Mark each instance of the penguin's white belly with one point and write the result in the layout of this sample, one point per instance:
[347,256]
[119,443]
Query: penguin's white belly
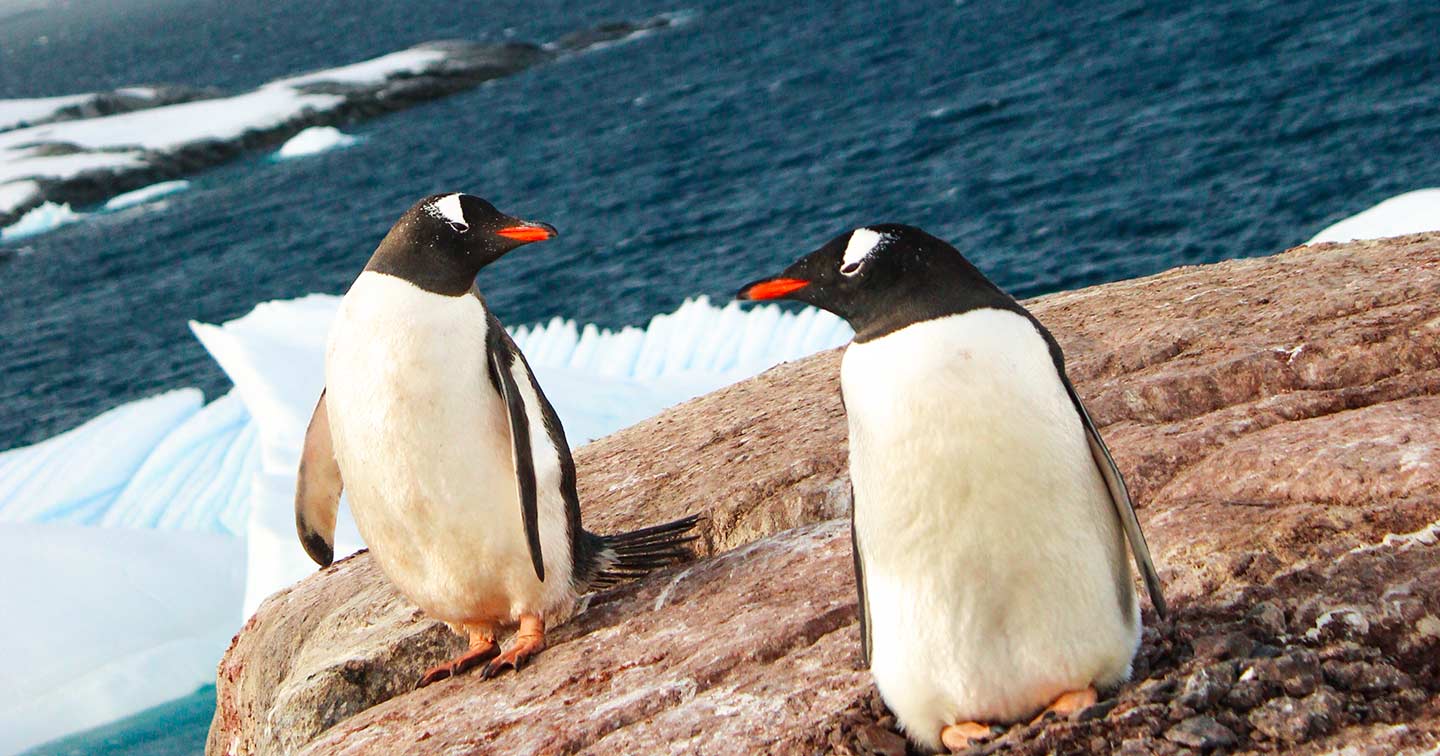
[423,443]
[994,567]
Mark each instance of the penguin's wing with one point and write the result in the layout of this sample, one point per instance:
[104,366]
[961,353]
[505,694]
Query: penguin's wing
[864,606]
[1120,497]
[504,359]
[317,489]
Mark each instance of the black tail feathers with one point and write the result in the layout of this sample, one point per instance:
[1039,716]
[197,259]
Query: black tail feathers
[626,556]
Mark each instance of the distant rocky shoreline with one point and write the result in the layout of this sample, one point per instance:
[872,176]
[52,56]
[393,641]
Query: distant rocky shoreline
[33,145]
[1278,420]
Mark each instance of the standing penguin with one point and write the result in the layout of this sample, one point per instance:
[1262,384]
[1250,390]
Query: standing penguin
[989,520]
[460,478]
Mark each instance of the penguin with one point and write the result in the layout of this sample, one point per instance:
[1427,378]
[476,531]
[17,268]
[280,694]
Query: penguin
[989,522]
[458,472]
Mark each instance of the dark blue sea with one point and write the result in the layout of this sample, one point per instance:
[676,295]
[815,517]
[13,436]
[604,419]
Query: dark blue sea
[1058,144]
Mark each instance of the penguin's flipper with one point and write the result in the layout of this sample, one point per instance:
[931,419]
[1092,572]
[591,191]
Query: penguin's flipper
[504,358]
[864,606]
[1120,497]
[317,489]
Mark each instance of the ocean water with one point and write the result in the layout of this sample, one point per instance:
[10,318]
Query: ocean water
[1057,144]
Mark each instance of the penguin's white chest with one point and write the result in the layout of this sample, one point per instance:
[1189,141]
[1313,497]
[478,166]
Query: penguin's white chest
[995,572]
[423,443]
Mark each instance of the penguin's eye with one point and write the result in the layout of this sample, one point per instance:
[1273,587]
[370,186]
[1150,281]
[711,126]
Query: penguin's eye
[459,227]
[850,269]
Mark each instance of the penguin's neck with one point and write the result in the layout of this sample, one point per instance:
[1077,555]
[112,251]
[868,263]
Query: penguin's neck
[925,297]
[427,263]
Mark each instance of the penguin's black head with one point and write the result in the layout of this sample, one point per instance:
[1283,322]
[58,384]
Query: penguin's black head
[881,278]
[443,241]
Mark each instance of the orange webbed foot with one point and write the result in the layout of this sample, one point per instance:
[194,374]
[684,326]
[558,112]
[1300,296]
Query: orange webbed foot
[483,648]
[962,735]
[1067,704]
[529,640]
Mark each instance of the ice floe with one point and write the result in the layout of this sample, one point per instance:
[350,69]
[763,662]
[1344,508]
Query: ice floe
[38,220]
[313,140]
[1408,213]
[146,194]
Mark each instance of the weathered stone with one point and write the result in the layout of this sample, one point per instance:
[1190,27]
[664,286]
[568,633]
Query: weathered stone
[880,741]
[1277,419]
[1224,646]
[1201,732]
[1246,693]
[1207,686]
[1365,677]
[1269,617]
[1293,720]
[1296,674]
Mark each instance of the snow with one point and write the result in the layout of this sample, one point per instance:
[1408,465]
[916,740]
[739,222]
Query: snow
[173,127]
[374,71]
[314,140]
[38,220]
[17,194]
[15,113]
[146,194]
[1408,213]
[127,141]
[170,519]
[23,162]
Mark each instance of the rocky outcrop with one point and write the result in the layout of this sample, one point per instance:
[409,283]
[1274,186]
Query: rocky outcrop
[460,65]
[1278,420]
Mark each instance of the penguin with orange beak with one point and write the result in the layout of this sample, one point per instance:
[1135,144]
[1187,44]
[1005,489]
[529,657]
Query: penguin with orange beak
[989,522]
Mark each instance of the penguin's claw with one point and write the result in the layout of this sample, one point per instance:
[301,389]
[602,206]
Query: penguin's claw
[529,640]
[1067,704]
[459,665]
[962,735]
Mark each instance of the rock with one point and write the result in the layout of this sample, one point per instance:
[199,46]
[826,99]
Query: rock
[1277,419]
[1269,617]
[1201,732]
[1293,720]
[1365,677]
[1225,646]
[1207,686]
[880,741]
[1296,674]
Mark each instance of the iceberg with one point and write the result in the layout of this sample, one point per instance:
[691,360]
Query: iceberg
[1408,213]
[170,519]
[111,621]
[38,220]
[314,140]
[145,194]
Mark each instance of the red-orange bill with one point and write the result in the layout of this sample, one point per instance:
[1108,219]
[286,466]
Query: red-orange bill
[774,288]
[526,233]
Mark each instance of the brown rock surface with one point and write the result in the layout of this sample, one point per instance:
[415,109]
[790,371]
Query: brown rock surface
[1278,420]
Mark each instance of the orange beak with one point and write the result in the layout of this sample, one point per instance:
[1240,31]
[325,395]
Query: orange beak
[529,232]
[774,288]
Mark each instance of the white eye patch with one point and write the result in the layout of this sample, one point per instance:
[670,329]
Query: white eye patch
[863,244]
[448,209]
